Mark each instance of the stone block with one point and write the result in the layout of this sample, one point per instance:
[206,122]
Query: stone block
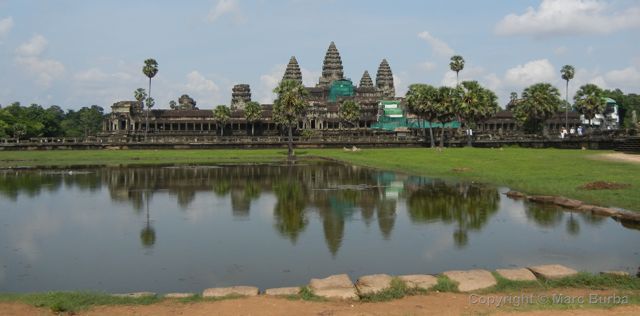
[335,286]
[472,280]
[227,291]
[282,291]
[420,281]
[179,295]
[521,274]
[552,271]
[371,284]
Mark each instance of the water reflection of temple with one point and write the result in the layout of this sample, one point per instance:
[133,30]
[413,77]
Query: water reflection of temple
[335,194]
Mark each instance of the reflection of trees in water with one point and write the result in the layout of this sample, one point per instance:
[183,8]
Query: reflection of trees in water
[544,215]
[31,183]
[289,209]
[468,206]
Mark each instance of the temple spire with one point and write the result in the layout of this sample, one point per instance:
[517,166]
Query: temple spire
[384,80]
[293,71]
[332,66]
[366,81]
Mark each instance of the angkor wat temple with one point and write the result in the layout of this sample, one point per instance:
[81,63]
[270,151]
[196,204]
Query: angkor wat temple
[128,117]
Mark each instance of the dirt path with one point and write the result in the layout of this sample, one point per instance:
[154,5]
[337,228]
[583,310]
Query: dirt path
[431,304]
[620,157]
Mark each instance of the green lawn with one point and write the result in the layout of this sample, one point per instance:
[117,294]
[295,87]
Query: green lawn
[533,171]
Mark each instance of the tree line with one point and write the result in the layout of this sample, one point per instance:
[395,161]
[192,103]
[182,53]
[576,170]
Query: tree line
[19,121]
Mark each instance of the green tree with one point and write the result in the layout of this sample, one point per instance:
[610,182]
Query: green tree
[18,130]
[476,103]
[140,95]
[446,101]
[568,72]
[457,64]
[349,112]
[539,102]
[289,107]
[589,101]
[422,102]
[253,113]
[150,69]
[222,114]
[173,105]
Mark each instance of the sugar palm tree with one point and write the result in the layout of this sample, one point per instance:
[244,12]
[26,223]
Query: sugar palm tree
[289,107]
[421,101]
[457,64]
[568,72]
[221,114]
[252,113]
[589,100]
[150,69]
[477,103]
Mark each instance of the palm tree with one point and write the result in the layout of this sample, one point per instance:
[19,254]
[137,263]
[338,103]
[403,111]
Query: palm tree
[221,114]
[568,73]
[289,107]
[589,100]
[150,69]
[477,103]
[538,102]
[349,112]
[140,95]
[421,101]
[457,64]
[446,100]
[252,113]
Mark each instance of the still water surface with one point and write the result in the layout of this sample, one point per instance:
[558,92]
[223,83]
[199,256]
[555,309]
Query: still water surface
[168,229]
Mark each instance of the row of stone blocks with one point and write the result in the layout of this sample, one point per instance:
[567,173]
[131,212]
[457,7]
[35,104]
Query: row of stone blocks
[340,286]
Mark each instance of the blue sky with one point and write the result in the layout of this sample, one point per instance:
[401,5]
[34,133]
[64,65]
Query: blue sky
[77,53]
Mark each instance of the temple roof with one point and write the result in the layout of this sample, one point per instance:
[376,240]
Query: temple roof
[331,66]
[293,71]
[366,81]
[384,79]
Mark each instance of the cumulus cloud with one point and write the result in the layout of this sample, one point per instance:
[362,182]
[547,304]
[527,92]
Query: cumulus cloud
[225,7]
[438,46]
[470,72]
[624,78]
[427,66]
[45,70]
[569,17]
[535,71]
[6,25]
[204,90]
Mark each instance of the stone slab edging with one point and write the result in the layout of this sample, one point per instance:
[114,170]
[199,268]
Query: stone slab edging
[577,206]
[341,287]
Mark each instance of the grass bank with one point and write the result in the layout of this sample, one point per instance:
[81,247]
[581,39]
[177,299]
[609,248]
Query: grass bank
[533,171]
[71,302]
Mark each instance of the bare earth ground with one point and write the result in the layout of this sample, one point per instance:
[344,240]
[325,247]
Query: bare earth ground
[431,304]
[620,157]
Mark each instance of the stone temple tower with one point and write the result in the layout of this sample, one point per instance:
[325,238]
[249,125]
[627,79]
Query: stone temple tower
[366,81]
[293,71]
[240,96]
[331,67]
[384,80]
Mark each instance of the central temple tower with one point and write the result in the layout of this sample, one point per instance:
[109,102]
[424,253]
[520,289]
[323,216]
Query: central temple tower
[331,67]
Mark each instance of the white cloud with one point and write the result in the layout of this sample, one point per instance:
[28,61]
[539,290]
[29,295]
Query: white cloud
[492,81]
[427,66]
[624,78]
[226,7]
[34,47]
[560,50]
[535,71]
[569,17]
[6,25]
[268,82]
[438,46]
[399,83]
[203,90]
[470,72]
[45,70]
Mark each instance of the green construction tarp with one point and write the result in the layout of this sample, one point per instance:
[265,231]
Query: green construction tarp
[390,112]
[340,88]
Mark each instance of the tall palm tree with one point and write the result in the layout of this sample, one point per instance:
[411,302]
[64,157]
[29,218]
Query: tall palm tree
[150,69]
[140,95]
[568,72]
[222,113]
[252,113]
[289,107]
[457,64]
[590,101]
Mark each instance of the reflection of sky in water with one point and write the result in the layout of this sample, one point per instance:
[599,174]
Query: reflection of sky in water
[274,226]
